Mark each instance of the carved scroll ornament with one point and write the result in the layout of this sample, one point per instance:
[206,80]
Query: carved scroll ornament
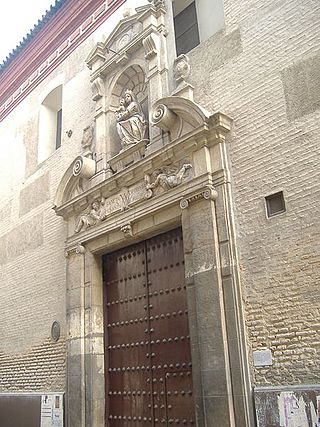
[163,117]
[84,167]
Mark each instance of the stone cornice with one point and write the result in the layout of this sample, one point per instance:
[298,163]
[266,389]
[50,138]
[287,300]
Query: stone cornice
[71,25]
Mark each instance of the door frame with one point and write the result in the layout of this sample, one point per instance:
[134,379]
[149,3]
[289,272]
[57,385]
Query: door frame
[175,232]
[216,352]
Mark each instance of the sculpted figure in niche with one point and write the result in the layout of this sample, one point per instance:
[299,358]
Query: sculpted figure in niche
[131,123]
[94,216]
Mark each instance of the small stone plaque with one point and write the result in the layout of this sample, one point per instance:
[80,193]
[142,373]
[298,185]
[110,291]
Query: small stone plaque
[55,331]
[262,358]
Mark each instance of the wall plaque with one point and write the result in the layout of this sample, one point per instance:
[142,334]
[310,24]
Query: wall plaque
[262,358]
[55,331]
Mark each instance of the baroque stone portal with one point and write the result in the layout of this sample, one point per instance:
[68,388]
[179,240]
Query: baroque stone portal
[131,123]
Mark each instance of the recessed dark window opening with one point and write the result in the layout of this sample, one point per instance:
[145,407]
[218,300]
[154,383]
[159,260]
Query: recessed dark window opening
[275,204]
[186,29]
[58,132]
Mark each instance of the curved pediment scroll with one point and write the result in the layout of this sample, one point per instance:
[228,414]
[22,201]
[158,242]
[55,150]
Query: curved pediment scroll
[75,180]
[178,116]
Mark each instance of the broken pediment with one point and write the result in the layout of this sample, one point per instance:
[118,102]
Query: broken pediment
[126,37]
[181,116]
[75,180]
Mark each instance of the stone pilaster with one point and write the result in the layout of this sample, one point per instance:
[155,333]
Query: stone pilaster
[208,332]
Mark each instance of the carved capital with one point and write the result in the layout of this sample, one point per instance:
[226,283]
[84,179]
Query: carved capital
[208,193]
[78,249]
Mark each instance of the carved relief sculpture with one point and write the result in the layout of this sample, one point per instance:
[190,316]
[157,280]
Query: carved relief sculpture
[127,230]
[131,123]
[96,214]
[166,179]
[181,68]
[87,140]
[181,71]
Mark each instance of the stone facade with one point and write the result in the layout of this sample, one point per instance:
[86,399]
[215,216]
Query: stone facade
[232,123]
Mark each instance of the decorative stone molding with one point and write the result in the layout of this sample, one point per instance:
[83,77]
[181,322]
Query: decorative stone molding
[208,193]
[127,230]
[166,178]
[125,197]
[150,46]
[87,141]
[97,88]
[163,117]
[129,156]
[75,180]
[128,63]
[157,3]
[181,116]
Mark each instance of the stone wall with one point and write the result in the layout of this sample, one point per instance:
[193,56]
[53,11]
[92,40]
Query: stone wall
[263,72]
[32,262]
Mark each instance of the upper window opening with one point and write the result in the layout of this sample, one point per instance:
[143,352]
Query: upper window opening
[50,124]
[186,26]
[195,21]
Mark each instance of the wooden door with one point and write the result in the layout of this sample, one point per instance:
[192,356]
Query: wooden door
[147,343]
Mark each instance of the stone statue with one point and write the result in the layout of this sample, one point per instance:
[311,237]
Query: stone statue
[96,214]
[131,123]
[166,179]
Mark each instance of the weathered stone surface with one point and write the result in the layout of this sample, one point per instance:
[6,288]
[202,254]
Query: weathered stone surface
[301,87]
[215,53]
[34,194]
[22,239]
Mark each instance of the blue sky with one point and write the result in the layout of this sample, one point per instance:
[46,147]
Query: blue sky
[21,16]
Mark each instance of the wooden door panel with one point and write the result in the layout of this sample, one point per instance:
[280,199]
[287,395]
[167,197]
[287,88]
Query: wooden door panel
[147,342]
[179,398]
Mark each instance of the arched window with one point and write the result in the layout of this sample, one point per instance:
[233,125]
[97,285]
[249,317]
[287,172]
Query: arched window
[50,123]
